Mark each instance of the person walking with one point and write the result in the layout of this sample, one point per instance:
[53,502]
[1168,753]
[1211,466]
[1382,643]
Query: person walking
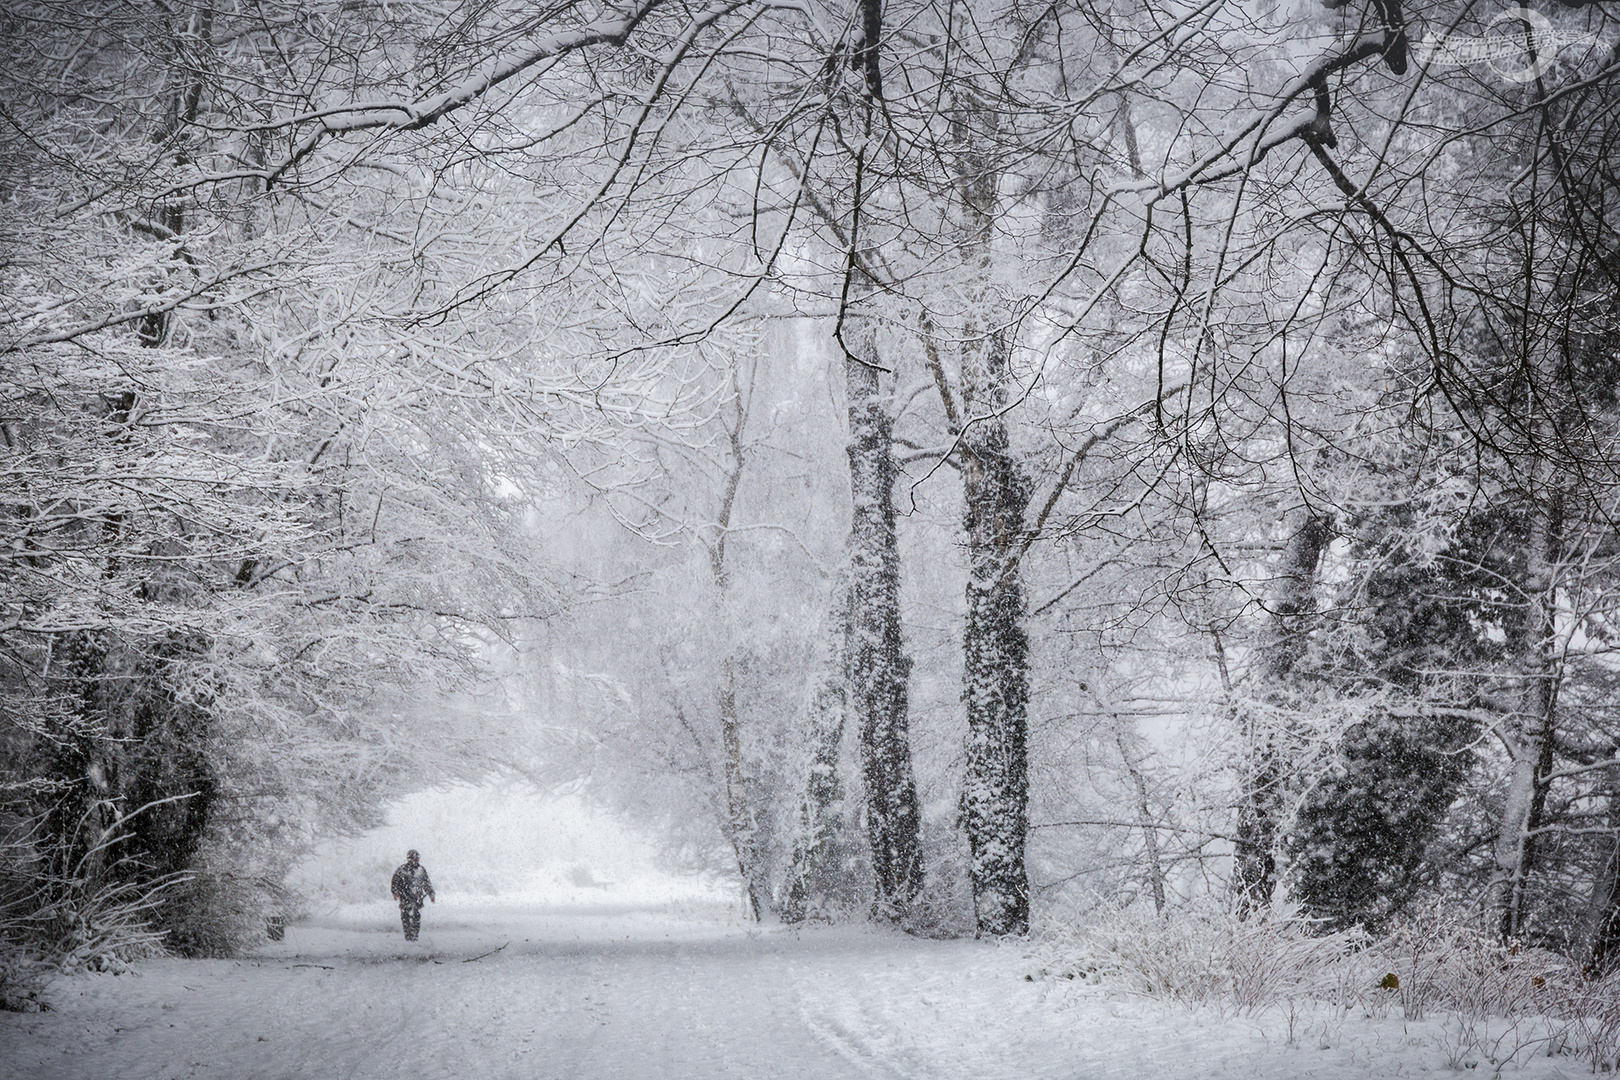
[409,885]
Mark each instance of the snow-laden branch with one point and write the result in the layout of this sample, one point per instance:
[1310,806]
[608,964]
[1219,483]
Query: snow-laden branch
[147,311]
[1596,766]
[638,129]
[613,27]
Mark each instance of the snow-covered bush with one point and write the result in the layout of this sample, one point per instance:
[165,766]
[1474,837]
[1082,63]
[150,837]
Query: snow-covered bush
[1438,966]
[51,925]
[220,910]
[1590,1012]
[1443,961]
[1204,955]
[1448,966]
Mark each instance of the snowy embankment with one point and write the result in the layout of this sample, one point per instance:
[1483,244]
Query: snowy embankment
[678,991]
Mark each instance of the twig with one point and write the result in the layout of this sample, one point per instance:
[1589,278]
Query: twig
[491,952]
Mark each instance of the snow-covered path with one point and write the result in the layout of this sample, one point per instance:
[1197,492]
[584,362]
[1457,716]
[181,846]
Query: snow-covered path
[602,994]
[577,995]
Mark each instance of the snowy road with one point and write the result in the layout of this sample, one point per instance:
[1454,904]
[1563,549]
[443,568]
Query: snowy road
[579,996]
[640,995]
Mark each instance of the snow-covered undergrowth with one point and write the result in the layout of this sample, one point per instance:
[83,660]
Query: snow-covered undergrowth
[1477,1001]
[79,929]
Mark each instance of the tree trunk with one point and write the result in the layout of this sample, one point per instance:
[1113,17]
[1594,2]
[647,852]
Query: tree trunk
[184,105]
[1263,799]
[739,824]
[995,795]
[1130,752]
[996,493]
[877,665]
[814,877]
[740,828]
[1528,732]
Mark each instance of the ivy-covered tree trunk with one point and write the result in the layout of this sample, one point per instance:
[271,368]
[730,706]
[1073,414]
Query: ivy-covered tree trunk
[995,791]
[877,666]
[996,493]
[1263,800]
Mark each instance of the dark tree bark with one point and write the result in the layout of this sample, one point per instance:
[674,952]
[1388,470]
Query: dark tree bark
[135,783]
[995,792]
[877,665]
[996,493]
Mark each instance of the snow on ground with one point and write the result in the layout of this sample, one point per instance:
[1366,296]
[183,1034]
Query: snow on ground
[560,949]
[676,991]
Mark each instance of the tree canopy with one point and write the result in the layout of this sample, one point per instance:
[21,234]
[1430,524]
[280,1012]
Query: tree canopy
[929,455]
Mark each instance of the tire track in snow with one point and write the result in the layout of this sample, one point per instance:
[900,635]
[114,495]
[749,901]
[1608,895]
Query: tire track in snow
[854,1049]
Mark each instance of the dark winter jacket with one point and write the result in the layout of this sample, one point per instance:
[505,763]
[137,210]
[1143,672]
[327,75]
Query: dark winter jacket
[410,884]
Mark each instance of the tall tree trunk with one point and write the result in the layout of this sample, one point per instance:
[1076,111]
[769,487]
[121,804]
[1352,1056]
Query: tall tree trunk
[169,220]
[814,875]
[1262,802]
[995,794]
[1529,732]
[740,826]
[1129,742]
[878,668]
[996,493]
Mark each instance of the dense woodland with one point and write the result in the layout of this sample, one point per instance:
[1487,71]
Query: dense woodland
[941,462]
